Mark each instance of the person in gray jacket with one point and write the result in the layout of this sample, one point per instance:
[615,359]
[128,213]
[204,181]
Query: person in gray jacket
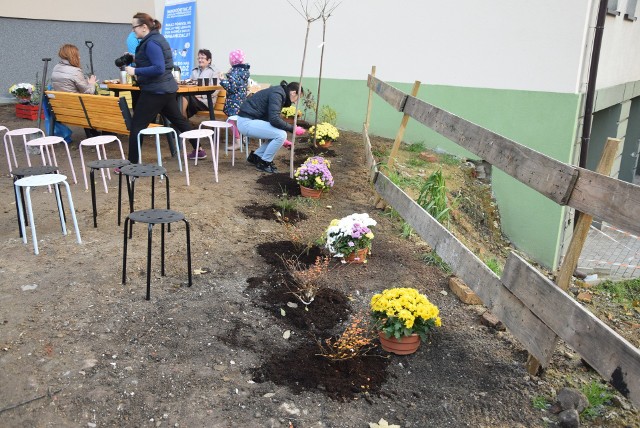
[259,117]
[67,76]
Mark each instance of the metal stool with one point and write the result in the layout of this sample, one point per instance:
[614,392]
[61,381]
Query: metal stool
[157,130]
[28,171]
[99,143]
[244,140]
[151,218]
[217,126]
[198,133]
[16,132]
[137,170]
[108,164]
[44,180]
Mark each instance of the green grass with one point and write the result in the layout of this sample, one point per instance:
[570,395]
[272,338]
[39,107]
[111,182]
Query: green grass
[391,213]
[625,292]
[448,159]
[598,395]
[407,231]
[416,162]
[433,259]
[285,204]
[539,402]
[433,197]
[494,265]
[404,182]
[380,153]
[415,147]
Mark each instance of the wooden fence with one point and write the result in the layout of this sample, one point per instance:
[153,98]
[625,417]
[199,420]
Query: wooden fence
[534,309]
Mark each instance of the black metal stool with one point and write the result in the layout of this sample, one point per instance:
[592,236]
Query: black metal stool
[28,171]
[99,164]
[153,217]
[138,170]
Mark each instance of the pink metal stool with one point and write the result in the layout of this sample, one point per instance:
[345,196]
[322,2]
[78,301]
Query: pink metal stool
[18,132]
[46,144]
[198,133]
[99,143]
[218,126]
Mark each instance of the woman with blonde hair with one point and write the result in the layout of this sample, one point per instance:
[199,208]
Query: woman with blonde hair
[67,76]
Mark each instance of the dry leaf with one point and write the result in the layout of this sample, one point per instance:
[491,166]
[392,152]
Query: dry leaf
[287,334]
[282,312]
[199,271]
[292,304]
[382,424]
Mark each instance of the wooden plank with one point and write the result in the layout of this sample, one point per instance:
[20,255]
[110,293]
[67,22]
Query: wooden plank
[617,360]
[548,176]
[393,96]
[614,201]
[532,333]
[400,134]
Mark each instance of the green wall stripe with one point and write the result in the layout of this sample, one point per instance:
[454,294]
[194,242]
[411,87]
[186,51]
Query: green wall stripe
[544,121]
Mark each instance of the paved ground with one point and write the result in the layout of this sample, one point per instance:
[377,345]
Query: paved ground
[611,252]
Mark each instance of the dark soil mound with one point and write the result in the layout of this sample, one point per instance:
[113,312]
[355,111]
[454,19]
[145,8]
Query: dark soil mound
[302,369]
[272,212]
[279,184]
[272,253]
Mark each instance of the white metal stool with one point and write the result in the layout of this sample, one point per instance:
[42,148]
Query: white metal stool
[18,132]
[157,131]
[198,133]
[99,143]
[44,180]
[46,144]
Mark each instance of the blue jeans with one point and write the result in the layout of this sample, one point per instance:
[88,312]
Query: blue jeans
[261,129]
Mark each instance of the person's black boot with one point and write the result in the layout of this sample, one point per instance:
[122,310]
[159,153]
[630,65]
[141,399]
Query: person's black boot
[252,158]
[265,166]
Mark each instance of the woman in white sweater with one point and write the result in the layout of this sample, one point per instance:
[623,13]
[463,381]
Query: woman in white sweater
[67,76]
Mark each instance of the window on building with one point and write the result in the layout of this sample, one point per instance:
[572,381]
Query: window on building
[612,7]
[632,9]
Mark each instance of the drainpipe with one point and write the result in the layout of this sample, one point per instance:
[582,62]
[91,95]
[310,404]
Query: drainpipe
[591,84]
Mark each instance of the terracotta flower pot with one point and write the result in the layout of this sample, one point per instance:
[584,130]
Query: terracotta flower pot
[326,144]
[310,193]
[358,256]
[403,346]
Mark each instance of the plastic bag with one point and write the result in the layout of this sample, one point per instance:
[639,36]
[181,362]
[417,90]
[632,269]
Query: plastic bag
[59,130]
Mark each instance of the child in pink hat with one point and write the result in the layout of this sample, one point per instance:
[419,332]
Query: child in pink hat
[236,84]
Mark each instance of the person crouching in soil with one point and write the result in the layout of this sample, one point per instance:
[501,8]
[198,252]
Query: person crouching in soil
[259,117]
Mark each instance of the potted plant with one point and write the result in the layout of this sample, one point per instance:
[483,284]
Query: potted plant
[403,317]
[288,113]
[325,134]
[350,237]
[27,106]
[314,177]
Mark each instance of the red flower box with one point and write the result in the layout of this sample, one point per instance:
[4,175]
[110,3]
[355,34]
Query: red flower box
[28,111]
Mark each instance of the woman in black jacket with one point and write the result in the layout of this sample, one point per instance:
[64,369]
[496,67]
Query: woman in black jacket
[259,117]
[158,88]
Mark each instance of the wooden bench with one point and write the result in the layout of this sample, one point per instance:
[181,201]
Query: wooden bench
[217,109]
[90,111]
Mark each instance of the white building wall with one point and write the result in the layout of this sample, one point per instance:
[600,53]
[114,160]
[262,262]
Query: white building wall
[620,54]
[502,44]
[113,11]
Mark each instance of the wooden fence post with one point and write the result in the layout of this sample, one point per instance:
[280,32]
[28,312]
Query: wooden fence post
[583,223]
[403,125]
[370,99]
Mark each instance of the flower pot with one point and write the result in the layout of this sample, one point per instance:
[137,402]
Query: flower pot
[310,193]
[358,256]
[326,144]
[403,346]
[28,111]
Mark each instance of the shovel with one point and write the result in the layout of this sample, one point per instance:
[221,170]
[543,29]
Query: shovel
[42,88]
[89,44]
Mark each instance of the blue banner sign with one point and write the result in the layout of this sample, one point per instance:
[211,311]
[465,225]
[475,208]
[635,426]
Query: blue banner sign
[179,28]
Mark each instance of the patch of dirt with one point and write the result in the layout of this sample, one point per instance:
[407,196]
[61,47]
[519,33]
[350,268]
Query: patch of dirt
[79,348]
[273,212]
